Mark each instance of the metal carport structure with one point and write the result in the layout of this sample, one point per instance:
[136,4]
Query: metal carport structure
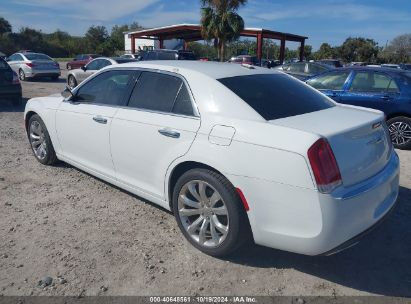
[192,32]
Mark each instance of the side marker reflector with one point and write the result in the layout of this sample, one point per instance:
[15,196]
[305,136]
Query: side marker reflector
[243,199]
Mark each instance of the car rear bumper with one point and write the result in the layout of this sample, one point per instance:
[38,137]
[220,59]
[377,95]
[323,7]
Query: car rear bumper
[43,73]
[308,222]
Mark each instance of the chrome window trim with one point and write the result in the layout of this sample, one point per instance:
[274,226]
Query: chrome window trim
[193,102]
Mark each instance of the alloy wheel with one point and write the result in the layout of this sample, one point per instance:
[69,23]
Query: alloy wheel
[400,132]
[72,82]
[203,213]
[38,140]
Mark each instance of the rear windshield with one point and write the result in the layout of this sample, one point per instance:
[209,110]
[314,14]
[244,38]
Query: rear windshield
[275,96]
[35,56]
[186,56]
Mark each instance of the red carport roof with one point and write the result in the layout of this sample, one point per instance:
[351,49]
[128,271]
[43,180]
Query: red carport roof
[192,32]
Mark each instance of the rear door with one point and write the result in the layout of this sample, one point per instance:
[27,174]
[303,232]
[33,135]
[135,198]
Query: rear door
[371,89]
[331,84]
[158,126]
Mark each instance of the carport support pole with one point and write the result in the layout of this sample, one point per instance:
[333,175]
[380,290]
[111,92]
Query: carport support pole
[133,44]
[302,50]
[259,46]
[282,51]
[161,43]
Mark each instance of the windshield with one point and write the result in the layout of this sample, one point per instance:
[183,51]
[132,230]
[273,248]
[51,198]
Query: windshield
[275,96]
[36,56]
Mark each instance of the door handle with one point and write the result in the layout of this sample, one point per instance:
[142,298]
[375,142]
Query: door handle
[169,133]
[100,119]
[385,97]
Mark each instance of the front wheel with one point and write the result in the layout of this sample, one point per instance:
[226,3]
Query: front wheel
[209,212]
[72,83]
[40,141]
[400,132]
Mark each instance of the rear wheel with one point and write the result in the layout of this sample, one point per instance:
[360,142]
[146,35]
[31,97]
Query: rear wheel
[22,75]
[40,141]
[209,212]
[72,82]
[400,132]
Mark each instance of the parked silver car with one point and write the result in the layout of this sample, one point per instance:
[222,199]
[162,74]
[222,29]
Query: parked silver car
[74,77]
[32,65]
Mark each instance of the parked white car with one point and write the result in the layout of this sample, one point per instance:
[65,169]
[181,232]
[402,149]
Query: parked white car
[234,151]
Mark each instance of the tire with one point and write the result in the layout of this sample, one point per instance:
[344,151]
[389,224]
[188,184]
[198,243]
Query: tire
[235,222]
[400,132]
[40,141]
[22,75]
[71,82]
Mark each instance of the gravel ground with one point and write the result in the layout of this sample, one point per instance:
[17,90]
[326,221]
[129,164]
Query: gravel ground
[94,239]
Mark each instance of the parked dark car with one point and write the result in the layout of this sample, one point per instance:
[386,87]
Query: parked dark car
[10,87]
[80,60]
[405,66]
[304,70]
[333,62]
[164,54]
[384,89]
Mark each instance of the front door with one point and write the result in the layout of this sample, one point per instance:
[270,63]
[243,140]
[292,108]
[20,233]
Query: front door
[331,84]
[83,124]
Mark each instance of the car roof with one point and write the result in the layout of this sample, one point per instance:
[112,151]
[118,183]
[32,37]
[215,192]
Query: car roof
[371,68]
[214,70]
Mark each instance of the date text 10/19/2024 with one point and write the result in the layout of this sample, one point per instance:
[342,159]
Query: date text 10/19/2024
[203,299]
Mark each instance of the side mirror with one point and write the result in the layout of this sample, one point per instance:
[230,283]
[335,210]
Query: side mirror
[67,93]
[84,68]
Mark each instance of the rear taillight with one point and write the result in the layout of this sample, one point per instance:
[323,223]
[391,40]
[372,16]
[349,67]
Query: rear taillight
[16,79]
[29,64]
[324,166]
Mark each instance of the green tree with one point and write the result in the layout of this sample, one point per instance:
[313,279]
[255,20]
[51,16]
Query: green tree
[399,49]
[96,35]
[325,51]
[221,23]
[117,36]
[308,49]
[359,49]
[5,26]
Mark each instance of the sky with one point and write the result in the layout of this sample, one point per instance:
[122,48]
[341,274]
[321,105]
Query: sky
[330,21]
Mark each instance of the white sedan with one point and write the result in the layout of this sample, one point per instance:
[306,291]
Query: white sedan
[236,152]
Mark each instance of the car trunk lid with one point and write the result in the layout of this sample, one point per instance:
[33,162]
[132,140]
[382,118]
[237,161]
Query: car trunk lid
[44,64]
[358,138]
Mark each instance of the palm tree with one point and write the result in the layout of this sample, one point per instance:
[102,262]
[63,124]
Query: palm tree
[221,23]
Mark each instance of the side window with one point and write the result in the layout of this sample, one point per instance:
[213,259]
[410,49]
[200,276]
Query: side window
[108,88]
[373,82]
[183,104]
[94,65]
[297,67]
[104,63]
[316,69]
[331,81]
[79,57]
[155,91]
[12,58]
